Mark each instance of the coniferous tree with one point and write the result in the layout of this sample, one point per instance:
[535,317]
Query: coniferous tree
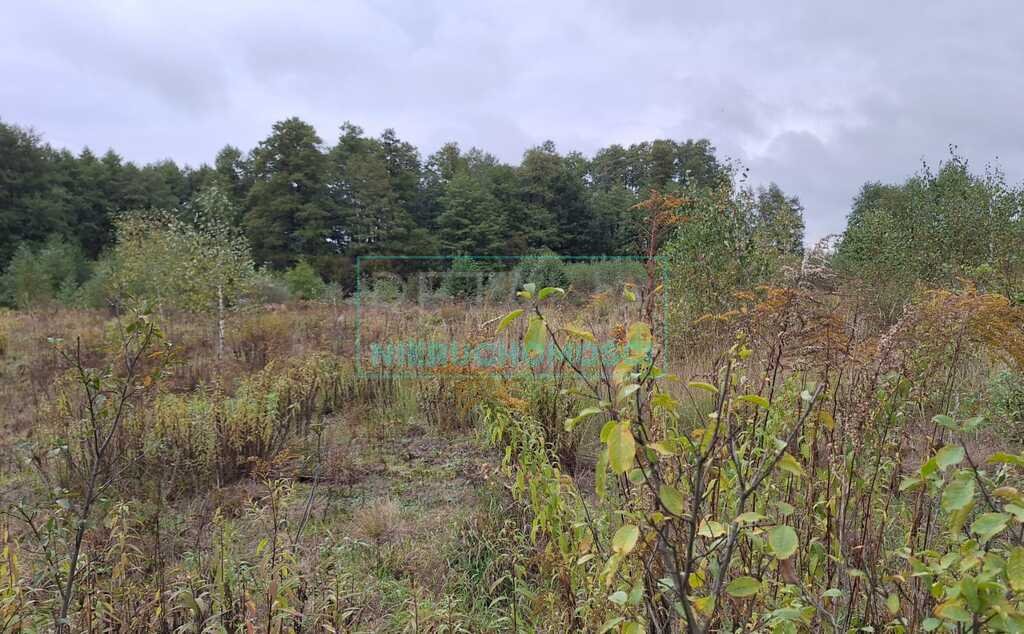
[375,220]
[29,212]
[232,172]
[287,215]
[471,222]
[554,201]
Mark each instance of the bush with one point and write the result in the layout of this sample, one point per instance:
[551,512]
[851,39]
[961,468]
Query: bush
[502,285]
[542,270]
[1007,394]
[304,282]
[465,279]
[269,289]
[50,274]
[162,259]
[603,275]
[98,290]
[387,287]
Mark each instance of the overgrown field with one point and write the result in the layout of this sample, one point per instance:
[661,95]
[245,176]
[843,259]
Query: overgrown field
[792,465]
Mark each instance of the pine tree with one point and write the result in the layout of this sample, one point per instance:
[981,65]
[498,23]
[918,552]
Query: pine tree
[367,187]
[287,215]
[471,221]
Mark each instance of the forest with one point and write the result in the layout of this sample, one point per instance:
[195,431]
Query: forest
[344,387]
[301,201]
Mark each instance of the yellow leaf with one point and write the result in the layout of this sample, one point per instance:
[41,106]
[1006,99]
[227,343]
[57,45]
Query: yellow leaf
[621,448]
[789,464]
[624,540]
[579,333]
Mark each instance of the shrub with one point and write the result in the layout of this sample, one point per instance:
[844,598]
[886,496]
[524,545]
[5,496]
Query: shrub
[503,285]
[51,273]
[269,289]
[304,282]
[1007,393]
[542,270]
[465,279]
[196,267]
[387,288]
[97,291]
[602,275]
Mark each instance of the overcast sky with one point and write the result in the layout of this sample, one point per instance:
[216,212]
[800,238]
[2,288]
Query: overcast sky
[816,96]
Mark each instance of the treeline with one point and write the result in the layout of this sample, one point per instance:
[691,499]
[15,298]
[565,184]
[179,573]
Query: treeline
[941,227]
[300,199]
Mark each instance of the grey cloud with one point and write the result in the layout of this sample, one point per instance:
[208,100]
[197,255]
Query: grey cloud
[819,97]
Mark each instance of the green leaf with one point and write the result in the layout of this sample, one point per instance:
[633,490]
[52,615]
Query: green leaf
[750,517]
[929,467]
[704,605]
[624,540]
[1001,457]
[754,399]
[972,424]
[783,541]
[609,624]
[664,448]
[945,421]
[1016,510]
[953,610]
[958,493]
[671,498]
[959,516]
[632,628]
[700,385]
[548,291]
[508,319]
[607,429]
[618,598]
[601,475]
[640,339]
[626,391]
[789,464]
[787,614]
[910,483]
[711,529]
[988,525]
[948,456]
[536,337]
[621,448]
[743,587]
[570,423]
[1015,568]
[636,593]
[892,603]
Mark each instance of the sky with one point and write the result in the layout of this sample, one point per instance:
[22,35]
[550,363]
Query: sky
[819,97]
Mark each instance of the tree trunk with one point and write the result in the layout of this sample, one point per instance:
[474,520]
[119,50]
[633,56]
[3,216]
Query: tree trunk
[220,321]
